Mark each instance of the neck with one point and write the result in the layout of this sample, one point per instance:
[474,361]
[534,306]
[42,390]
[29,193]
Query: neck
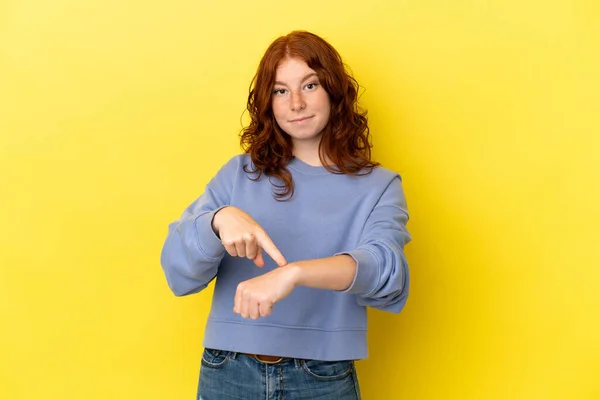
[308,153]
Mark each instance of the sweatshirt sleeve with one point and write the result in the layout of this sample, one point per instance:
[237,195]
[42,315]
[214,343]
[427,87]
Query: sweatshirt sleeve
[382,279]
[192,252]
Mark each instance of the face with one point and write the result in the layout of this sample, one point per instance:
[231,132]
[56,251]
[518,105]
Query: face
[300,104]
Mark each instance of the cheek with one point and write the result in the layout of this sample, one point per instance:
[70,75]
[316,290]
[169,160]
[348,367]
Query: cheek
[278,110]
[326,107]
[324,102]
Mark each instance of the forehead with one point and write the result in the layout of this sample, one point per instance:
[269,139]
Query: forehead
[290,69]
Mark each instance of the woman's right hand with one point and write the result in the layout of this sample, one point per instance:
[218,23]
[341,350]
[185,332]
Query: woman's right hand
[242,236]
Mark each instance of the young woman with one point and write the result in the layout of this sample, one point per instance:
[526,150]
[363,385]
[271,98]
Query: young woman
[289,324]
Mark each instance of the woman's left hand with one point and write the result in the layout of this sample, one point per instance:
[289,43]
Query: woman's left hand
[256,297]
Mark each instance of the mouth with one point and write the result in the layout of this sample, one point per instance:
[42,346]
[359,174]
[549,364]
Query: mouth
[302,119]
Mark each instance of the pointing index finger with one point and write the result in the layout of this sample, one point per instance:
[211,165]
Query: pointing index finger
[267,244]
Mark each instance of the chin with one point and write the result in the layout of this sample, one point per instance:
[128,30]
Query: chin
[305,138]
[304,135]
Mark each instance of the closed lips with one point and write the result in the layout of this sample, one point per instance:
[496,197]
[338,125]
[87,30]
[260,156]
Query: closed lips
[301,119]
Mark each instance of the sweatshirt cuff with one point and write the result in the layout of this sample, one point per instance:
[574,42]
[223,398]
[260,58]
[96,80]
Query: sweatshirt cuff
[365,280]
[208,241]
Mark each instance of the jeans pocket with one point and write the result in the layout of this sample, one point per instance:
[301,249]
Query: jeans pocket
[327,370]
[213,358]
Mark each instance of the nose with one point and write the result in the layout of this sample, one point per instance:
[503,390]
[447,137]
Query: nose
[297,102]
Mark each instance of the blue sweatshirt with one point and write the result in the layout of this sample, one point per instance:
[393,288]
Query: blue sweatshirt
[361,216]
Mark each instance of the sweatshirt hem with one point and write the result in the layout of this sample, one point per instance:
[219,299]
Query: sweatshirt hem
[287,341]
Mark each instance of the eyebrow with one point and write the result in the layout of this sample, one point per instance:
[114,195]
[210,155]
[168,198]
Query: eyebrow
[303,79]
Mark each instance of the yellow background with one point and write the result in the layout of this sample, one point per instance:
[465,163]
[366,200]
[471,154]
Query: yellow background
[114,115]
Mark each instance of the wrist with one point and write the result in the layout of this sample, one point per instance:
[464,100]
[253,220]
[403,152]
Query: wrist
[294,272]
[214,225]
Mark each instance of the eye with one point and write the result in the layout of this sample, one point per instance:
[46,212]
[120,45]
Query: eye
[279,92]
[312,85]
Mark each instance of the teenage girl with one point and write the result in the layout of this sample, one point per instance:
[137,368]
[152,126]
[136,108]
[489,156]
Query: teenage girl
[302,232]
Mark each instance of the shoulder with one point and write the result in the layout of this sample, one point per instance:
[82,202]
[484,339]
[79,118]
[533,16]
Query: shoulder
[238,160]
[236,164]
[386,186]
[381,176]
[228,175]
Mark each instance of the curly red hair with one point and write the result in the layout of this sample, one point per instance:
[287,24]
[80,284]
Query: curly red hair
[345,140]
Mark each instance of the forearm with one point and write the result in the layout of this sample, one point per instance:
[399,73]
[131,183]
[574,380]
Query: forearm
[191,254]
[333,273]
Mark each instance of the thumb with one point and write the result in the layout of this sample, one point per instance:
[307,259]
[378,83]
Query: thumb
[258,260]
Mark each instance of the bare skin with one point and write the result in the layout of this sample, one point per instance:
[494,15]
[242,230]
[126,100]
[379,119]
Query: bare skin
[242,236]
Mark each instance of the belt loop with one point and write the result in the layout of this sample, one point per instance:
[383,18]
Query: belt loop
[233,355]
[297,363]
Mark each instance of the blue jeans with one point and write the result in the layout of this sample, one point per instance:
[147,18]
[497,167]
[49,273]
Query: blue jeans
[226,375]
